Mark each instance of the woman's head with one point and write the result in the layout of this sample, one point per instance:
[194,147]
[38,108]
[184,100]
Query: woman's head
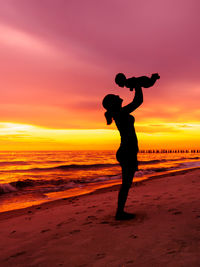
[120,79]
[112,103]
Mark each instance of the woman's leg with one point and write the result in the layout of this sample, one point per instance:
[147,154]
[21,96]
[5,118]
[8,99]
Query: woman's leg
[127,177]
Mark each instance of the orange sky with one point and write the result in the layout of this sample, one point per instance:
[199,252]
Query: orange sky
[56,69]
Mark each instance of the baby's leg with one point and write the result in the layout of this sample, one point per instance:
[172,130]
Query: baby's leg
[147,82]
[155,76]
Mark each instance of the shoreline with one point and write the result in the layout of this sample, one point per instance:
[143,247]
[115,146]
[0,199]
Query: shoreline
[65,200]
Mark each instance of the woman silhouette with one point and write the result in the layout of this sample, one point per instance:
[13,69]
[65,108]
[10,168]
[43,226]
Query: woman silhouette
[127,152]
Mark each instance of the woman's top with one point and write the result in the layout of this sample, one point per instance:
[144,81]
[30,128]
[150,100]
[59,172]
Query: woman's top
[125,124]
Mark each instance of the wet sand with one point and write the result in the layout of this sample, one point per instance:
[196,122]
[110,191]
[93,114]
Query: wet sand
[82,231]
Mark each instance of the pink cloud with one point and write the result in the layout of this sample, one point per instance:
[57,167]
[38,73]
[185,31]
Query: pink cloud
[65,54]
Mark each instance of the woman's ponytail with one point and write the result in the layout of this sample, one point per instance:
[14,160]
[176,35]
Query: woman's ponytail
[109,117]
[109,104]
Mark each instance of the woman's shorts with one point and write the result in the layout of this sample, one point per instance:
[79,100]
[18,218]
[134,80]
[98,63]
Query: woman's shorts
[127,157]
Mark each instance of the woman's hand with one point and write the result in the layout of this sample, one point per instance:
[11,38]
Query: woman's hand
[137,101]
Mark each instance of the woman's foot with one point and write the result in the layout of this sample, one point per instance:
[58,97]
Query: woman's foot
[124,216]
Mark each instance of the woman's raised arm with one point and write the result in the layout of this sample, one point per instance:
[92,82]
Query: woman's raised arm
[137,101]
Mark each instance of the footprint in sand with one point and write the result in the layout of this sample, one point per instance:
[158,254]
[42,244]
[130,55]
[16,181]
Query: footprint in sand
[169,210]
[133,236]
[91,217]
[174,211]
[100,256]
[86,223]
[75,231]
[130,262]
[171,252]
[45,230]
[61,223]
[177,212]
[77,212]
[18,254]
[104,222]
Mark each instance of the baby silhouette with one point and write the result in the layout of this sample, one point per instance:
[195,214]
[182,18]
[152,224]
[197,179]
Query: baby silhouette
[133,82]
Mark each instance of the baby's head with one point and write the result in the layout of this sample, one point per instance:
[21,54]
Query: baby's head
[120,79]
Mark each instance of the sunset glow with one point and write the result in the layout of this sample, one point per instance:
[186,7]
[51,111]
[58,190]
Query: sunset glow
[28,137]
[56,69]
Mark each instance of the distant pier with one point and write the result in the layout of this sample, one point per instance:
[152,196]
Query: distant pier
[169,151]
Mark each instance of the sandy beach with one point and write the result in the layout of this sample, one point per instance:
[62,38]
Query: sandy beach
[82,231]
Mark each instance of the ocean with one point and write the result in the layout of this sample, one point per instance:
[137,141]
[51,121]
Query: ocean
[30,178]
